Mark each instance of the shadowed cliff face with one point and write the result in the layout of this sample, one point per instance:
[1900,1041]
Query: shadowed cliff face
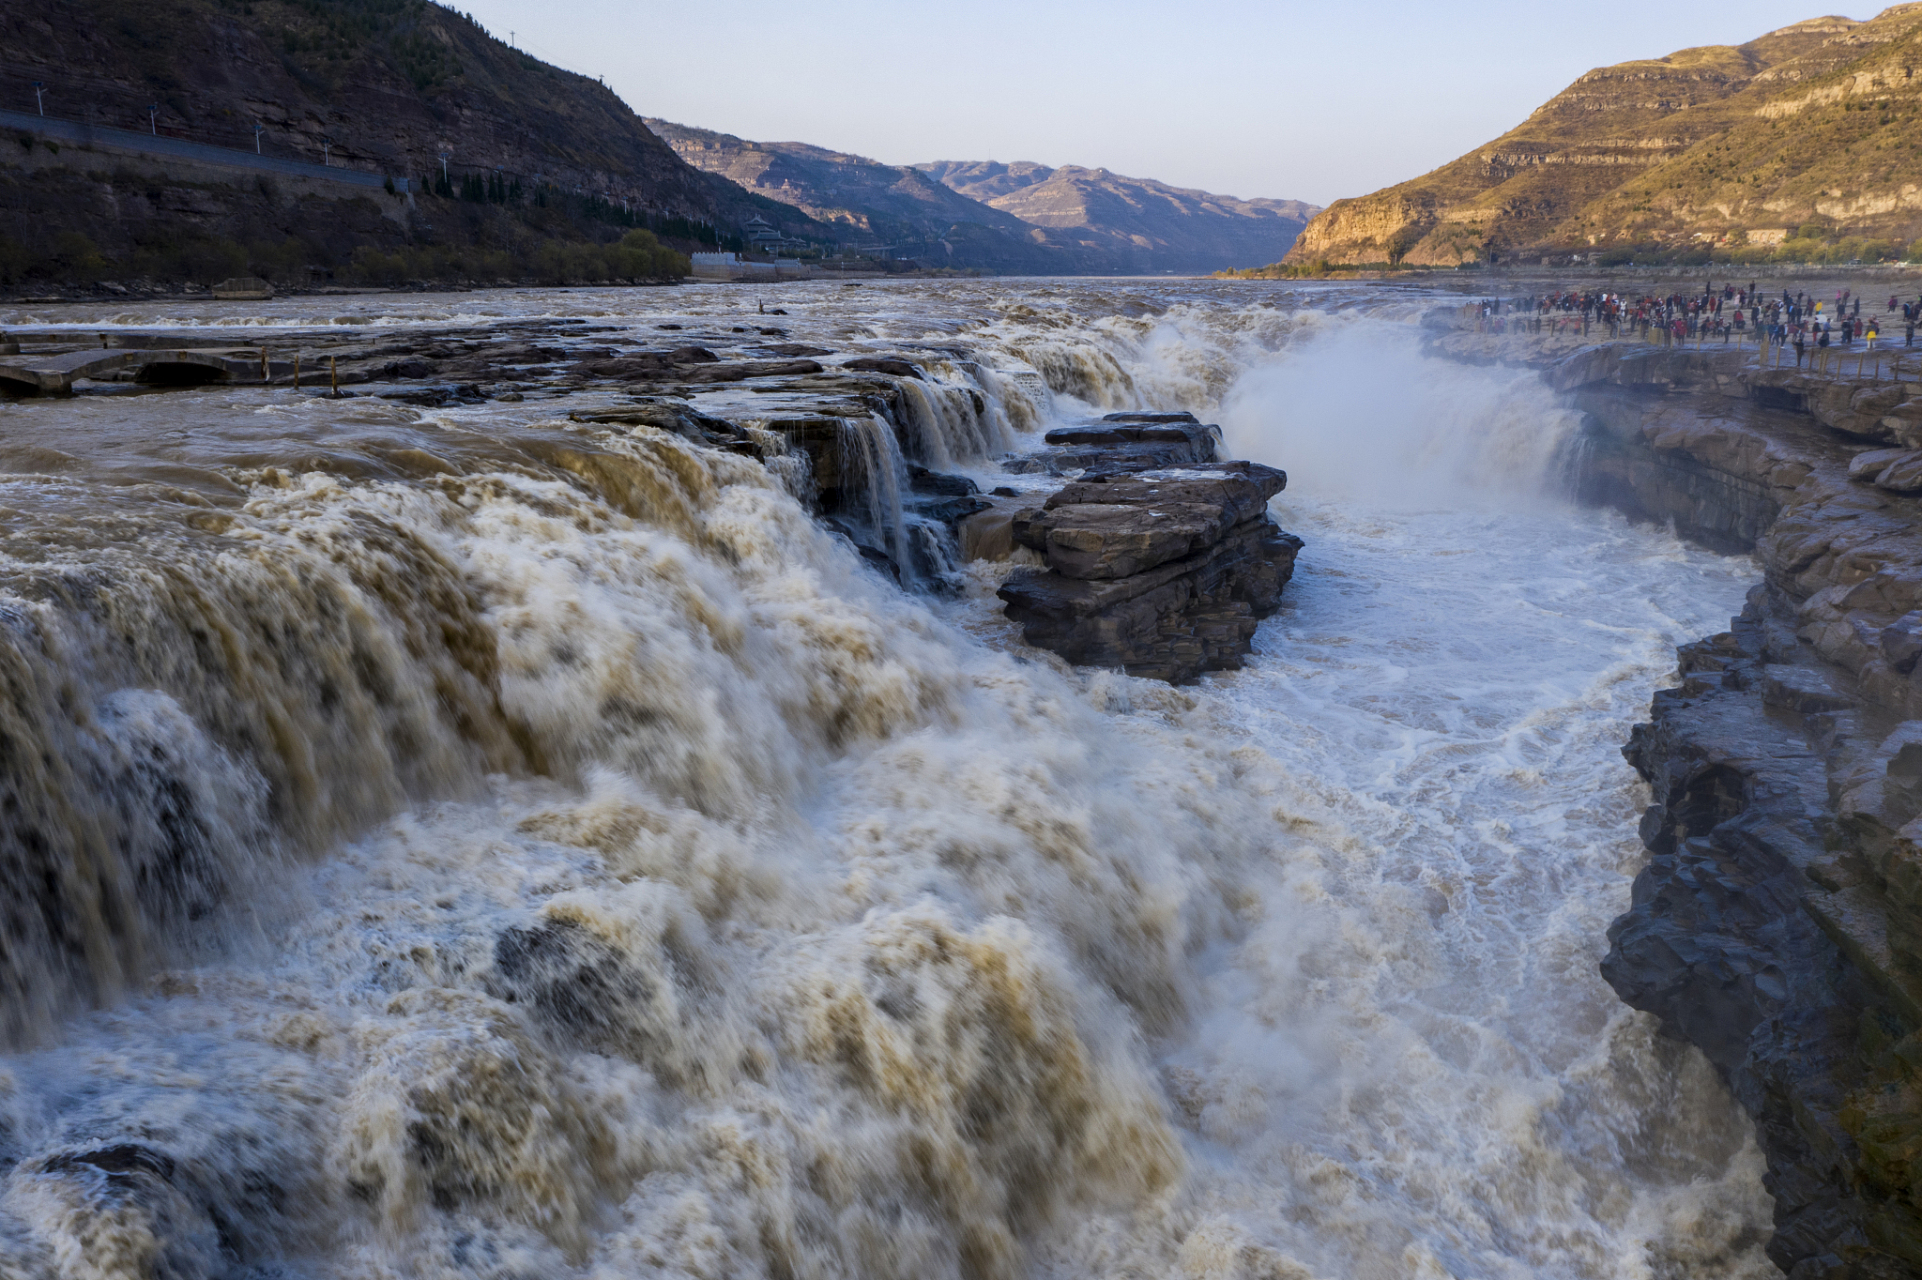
[1713,145]
[392,82]
[387,85]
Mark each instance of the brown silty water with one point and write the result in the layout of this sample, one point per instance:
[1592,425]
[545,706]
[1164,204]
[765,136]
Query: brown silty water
[467,840]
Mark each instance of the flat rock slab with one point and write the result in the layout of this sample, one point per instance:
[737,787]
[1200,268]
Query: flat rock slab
[1097,540]
[1240,489]
[1904,475]
[58,372]
[1868,465]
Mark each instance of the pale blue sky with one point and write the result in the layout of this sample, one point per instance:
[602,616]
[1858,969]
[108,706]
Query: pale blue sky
[1286,99]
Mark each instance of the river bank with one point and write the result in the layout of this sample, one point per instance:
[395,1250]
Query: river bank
[1775,926]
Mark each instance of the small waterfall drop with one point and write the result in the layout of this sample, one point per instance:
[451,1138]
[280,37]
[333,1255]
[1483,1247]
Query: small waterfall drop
[871,456]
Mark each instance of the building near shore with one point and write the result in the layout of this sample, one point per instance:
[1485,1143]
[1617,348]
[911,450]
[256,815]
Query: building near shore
[767,238]
[732,266]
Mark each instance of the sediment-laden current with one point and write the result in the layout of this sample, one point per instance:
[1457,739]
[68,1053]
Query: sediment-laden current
[470,842]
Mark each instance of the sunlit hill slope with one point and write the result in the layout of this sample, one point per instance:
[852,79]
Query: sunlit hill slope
[1809,137]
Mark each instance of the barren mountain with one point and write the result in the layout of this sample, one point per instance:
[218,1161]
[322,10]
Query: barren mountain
[873,203]
[391,83]
[1817,123]
[1005,217]
[1138,223]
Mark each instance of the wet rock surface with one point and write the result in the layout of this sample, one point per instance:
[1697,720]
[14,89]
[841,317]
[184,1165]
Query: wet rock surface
[1122,440]
[1778,923]
[1163,572]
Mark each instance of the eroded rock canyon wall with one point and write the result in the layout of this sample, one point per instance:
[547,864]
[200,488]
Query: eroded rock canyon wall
[1778,923]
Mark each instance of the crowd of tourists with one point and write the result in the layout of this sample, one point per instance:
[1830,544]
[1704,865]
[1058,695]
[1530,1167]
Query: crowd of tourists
[1716,314]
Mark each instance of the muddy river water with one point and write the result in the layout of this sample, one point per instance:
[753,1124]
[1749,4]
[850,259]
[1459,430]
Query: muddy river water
[426,855]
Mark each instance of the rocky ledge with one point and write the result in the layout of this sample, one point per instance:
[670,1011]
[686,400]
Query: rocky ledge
[1778,923]
[1164,573]
[1155,557]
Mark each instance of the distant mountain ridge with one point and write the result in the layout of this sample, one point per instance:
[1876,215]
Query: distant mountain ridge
[1151,224]
[1812,127]
[1019,217]
[869,203]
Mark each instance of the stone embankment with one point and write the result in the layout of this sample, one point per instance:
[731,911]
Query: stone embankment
[1778,923]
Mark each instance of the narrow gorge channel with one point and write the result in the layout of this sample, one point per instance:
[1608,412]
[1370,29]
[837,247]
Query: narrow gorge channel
[489,835]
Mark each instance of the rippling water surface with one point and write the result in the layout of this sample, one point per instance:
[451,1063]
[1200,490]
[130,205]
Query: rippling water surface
[468,843]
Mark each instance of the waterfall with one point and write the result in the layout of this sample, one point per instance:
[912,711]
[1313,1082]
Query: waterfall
[484,844]
[871,455]
[947,426]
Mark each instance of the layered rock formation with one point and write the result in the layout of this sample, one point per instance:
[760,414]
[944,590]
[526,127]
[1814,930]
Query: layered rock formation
[1162,570]
[1717,145]
[1778,924]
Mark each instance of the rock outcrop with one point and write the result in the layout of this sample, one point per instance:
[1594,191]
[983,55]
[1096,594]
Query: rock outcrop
[1164,572]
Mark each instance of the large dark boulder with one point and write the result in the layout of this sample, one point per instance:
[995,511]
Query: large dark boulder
[1165,574]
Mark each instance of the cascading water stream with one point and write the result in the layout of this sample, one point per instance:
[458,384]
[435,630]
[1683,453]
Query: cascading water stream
[871,453]
[950,426]
[504,848]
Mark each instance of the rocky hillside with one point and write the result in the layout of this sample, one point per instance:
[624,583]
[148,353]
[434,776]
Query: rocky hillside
[1806,135]
[1138,224]
[385,86]
[1005,217]
[392,84]
[870,204]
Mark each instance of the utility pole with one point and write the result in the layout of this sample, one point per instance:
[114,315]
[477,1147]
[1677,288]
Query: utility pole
[259,129]
[39,89]
[153,119]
